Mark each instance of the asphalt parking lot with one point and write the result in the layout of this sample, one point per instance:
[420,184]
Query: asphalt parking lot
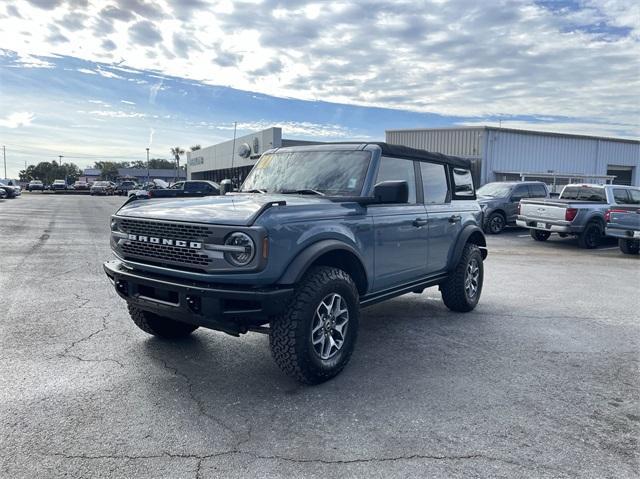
[541,380]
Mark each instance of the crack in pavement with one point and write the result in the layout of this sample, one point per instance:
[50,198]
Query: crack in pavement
[66,353]
[203,457]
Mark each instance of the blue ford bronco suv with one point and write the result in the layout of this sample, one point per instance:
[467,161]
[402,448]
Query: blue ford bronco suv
[314,234]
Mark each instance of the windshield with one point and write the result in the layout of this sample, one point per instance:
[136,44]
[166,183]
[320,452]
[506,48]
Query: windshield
[494,190]
[36,182]
[584,193]
[101,183]
[59,182]
[333,173]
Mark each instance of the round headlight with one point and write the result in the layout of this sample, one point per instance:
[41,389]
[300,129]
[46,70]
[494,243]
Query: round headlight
[246,249]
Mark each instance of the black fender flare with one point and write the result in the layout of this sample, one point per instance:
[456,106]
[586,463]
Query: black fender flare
[463,238]
[296,269]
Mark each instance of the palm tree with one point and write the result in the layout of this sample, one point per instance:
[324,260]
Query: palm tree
[195,148]
[176,151]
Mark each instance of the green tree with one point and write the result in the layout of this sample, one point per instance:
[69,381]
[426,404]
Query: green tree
[49,171]
[176,151]
[195,148]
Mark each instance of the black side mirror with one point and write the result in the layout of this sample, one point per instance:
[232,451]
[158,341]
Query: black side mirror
[516,199]
[394,191]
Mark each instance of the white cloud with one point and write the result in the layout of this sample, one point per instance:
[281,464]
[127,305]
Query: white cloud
[448,57]
[17,119]
[127,102]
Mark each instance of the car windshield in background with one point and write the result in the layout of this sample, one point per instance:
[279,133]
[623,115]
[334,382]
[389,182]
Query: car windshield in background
[101,183]
[494,190]
[332,173]
[584,193]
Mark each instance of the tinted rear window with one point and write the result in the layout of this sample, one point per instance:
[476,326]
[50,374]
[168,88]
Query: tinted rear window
[463,183]
[584,193]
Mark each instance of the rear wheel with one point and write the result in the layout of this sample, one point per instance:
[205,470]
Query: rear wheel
[461,291]
[629,246]
[495,223]
[160,326]
[591,236]
[539,235]
[313,340]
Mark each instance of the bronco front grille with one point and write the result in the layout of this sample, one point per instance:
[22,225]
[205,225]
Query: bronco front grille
[160,253]
[174,254]
[179,231]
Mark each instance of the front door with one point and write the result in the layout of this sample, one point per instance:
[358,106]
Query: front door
[401,231]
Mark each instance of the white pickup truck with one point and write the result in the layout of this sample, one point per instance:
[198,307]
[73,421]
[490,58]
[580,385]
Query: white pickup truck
[579,211]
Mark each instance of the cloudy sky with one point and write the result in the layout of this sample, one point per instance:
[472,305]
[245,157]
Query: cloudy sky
[94,79]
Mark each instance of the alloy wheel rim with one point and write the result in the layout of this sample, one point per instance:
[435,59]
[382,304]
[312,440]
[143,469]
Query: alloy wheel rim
[496,224]
[330,324]
[472,278]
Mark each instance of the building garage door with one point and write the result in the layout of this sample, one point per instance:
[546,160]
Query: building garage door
[623,174]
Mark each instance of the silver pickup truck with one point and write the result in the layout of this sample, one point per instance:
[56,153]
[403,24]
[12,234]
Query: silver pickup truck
[579,211]
[623,222]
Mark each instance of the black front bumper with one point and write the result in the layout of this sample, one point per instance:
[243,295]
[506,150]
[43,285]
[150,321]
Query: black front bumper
[229,309]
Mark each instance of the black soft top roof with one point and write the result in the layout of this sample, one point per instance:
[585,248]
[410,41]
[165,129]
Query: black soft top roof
[422,155]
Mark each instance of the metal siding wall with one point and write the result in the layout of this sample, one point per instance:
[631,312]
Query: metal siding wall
[508,151]
[459,141]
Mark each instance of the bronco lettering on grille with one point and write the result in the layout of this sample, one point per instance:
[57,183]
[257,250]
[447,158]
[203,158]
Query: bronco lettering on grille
[165,241]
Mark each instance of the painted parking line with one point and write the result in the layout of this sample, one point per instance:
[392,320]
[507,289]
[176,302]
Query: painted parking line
[523,236]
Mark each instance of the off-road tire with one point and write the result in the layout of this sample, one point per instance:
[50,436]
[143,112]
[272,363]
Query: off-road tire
[629,246]
[495,223]
[159,326]
[290,333]
[454,293]
[539,235]
[591,236]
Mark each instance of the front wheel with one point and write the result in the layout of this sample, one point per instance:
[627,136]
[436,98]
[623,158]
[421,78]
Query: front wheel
[461,291]
[158,325]
[312,341]
[495,224]
[629,246]
[540,235]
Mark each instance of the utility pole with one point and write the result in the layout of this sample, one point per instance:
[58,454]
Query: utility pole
[4,156]
[60,157]
[233,150]
[147,165]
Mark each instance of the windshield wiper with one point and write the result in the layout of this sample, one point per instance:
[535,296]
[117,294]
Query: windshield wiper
[303,191]
[255,190]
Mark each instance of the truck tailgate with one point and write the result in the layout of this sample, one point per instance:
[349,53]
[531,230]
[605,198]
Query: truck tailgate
[544,210]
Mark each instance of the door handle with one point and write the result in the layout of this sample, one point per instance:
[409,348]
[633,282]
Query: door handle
[419,222]
[454,218]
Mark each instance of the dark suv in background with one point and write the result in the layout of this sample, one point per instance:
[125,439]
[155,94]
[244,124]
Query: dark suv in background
[499,201]
[314,234]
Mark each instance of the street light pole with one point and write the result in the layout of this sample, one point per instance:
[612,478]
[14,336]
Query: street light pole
[60,157]
[4,156]
[147,165]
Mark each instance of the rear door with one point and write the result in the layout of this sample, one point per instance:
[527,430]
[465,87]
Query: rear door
[520,192]
[401,233]
[437,201]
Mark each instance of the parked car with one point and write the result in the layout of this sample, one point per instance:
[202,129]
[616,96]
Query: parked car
[3,193]
[623,221]
[81,186]
[11,190]
[59,185]
[499,201]
[146,188]
[187,189]
[102,188]
[316,233]
[124,187]
[35,185]
[579,211]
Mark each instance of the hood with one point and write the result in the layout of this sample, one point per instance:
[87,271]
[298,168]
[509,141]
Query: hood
[485,200]
[233,209]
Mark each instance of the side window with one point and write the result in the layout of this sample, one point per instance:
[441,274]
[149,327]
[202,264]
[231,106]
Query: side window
[635,196]
[620,196]
[398,169]
[521,191]
[537,191]
[463,183]
[434,183]
[194,186]
[178,186]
